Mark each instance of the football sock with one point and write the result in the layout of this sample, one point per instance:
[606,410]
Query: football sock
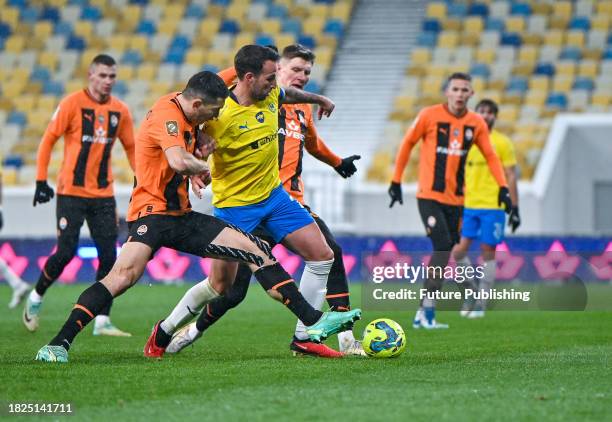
[190,305]
[94,298]
[274,277]
[35,297]
[487,281]
[43,283]
[345,339]
[9,275]
[468,282]
[102,320]
[313,287]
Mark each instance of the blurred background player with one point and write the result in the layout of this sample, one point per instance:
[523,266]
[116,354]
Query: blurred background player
[483,217]
[448,131]
[247,189]
[90,121]
[20,287]
[296,131]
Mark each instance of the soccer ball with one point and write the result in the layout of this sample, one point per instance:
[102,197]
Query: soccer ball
[384,338]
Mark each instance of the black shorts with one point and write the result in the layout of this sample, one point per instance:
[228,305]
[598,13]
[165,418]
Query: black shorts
[442,223]
[189,233]
[73,211]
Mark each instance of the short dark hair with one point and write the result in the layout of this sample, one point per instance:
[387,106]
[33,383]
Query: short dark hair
[298,50]
[251,58]
[457,75]
[104,59]
[486,102]
[207,86]
[272,47]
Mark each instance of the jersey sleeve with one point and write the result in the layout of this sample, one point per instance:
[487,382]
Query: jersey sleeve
[483,142]
[126,136]
[316,147]
[165,130]
[413,134]
[228,75]
[55,129]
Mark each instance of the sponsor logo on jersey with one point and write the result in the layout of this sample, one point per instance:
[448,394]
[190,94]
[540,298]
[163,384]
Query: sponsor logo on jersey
[292,131]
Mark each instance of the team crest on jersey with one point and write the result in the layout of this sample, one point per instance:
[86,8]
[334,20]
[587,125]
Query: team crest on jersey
[101,119]
[260,117]
[142,229]
[456,132]
[63,223]
[431,221]
[114,121]
[469,134]
[271,107]
[292,125]
[172,127]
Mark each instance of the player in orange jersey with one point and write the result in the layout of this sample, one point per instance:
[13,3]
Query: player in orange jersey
[296,131]
[90,120]
[448,131]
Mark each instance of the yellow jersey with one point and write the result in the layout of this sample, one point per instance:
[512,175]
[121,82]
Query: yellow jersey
[244,167]
[481,189]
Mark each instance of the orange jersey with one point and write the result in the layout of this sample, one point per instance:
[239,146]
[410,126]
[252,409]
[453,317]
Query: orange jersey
[446,142]
[296,130]
[158,188]
[90,130]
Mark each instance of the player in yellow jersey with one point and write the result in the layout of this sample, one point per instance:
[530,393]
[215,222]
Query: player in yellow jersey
[483,218]
[247,190]
[20,287]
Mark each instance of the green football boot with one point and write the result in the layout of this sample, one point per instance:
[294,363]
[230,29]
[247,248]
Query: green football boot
[332,323]
[52,354]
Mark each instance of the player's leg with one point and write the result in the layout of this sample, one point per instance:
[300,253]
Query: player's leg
[20,287]
[438,230]
[70,215]
[470,230]
[492,234]
[102,222]
[127,270]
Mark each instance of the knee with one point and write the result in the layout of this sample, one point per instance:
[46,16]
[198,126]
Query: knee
[336,250]
[323,254]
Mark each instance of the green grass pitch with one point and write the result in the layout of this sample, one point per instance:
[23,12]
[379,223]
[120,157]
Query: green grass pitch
[508,366]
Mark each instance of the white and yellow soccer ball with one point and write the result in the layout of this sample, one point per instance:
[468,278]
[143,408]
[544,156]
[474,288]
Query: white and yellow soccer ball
[384,338]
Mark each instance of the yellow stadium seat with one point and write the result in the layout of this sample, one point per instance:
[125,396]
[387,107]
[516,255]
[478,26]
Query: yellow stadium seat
[565,68]
[432,85]
[48,59]
[515,24]
[13,89]
[324,57]
[10,15]
[209,27]
[43,29]
[14,44]
[25,103]
[562,8]
[436,10]
[554,38]
[10,176]
[284,39]
[298,11]
[215,11]
[167,26]
[485,55]
[588,68]
[508,113]
[138,42]
[273,26]
[522,69]
[420,56]
[117,42]
[470,39]
[217,58]
[39,119]
[176,11]
[195,56]
[74,85]
[146,72]
[478,84]
[558,22]
[326,40]
[46,103]
[535,98]
[131,12]
[600,23]
[600,99]
[575,38]
[539,83]
[236,11]
[437,70]
[318,10]
[448,39]
[540,8]
[473,24]
[341,11]
[528,54]
[496,84]
[125,73]
[404,102]
[591,54]
[531,39]
[243,38]
[451,24]
[562,83]
[83,29]
[159,88]
[604,7]
[250,26]
[313,26]
[492,95]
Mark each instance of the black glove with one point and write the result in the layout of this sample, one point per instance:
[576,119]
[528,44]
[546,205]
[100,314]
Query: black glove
[504,198]
[514,220]
[395,192]
[44,192]
[1,220]
[346,168]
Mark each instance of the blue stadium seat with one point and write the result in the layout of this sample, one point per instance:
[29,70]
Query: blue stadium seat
[292,26]
[29,15]
[132,57]
[229,26]
[427,39]
[40,74]
[584,83]
[432,25]
[511,38]
[223,3]
[13,160]
[556,100]
[17,118]
[480,69]
[610,38]
[175,55]
[50,13]
[478,9]
[325,1]
[194,11]
[19,4]
[457,10]
[91,13]
[521,9]
[334,27]
[571,53]
[181,41]
[277,11]
[267,2]
[307,41]
[75,43]
[544,69]
[63,28]
[264,39]
[51,87]
[210,68]
[607,55]
[146,27]
[140,2]
[517,84]
[313,86]
[79,2]
[120,89]
[5,30]
[495,24]
[580,22]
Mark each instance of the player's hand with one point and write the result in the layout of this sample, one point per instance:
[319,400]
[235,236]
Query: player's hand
[205,145]
[514,220]
[347,168]
[395,192]
[326,106]
[44,192]
[504,198]
[199,183]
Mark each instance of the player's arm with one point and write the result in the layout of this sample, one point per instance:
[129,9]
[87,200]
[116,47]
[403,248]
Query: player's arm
[294,95]
[412,136]
[55,129]
[228,75]
[126,136]
[318,149]
[184,162]
[495,165]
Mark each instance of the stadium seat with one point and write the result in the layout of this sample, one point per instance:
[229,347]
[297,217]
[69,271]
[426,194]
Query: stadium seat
[556,100]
